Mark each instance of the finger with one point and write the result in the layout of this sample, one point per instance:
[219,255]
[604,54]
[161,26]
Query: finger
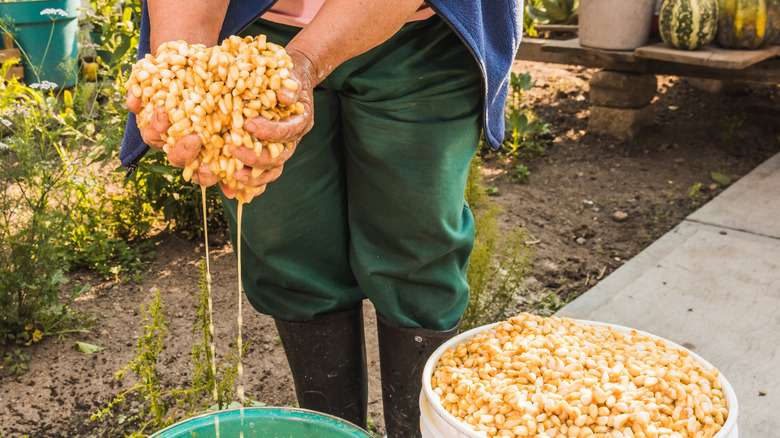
[160,121]
[133,103]
[185,150]
[204,177]
[301,73]
[229,193]
[152,138]
[248,193]
[264,160]
[244,176]
[282,131]
[248,156]
[287,97]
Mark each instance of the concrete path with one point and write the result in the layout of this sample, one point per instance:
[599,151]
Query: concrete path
[712,284]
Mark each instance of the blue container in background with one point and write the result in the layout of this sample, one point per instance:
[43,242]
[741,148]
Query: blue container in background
[48,40]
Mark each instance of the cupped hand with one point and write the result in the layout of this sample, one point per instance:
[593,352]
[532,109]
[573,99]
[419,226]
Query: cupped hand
[182,153]
[263,168]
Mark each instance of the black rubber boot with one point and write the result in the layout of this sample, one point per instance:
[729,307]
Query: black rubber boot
[403,352]
[327,357]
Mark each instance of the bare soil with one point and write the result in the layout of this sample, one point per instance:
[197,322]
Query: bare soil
[591,203]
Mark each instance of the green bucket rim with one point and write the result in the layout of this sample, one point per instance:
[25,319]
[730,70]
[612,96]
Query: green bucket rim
[261,412]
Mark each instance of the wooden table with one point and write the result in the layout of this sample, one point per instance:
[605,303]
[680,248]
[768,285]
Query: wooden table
[709,62]
[621,95]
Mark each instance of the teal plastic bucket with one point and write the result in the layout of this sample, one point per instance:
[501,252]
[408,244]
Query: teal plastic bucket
[264,422]
[48,40]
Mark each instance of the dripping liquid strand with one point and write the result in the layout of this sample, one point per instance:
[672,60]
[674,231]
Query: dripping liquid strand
[212,346]
[240,371]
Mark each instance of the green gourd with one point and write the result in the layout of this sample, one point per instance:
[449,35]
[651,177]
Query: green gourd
[688,24]
[748,24]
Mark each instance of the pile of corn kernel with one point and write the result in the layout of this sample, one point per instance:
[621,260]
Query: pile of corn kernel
[556,377]
[209,91]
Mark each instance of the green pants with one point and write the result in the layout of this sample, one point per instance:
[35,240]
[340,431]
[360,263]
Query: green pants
[371,205]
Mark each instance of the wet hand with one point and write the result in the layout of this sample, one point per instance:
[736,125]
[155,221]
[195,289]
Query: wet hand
[263,168]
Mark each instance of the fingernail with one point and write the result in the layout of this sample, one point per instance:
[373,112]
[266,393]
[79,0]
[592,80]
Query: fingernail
[249,125]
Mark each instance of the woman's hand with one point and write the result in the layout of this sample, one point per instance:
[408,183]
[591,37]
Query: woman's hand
[260,169]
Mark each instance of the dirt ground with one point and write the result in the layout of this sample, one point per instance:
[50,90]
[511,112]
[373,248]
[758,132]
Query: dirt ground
[591,203]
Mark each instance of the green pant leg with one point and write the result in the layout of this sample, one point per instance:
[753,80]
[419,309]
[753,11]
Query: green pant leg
[294,236]
[411,128]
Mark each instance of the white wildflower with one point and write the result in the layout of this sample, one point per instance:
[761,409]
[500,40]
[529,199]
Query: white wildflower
[54,11]
[45,85]
[5,121]
[21,110]
[3,146]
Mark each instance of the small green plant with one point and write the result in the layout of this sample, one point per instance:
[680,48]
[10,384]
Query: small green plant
[550,303]
[524,133]
[529,26]
[553,11]
[729,126]
[519,174]
[498,264]
[371,428]
[205,391]
[16,361]
[695,193]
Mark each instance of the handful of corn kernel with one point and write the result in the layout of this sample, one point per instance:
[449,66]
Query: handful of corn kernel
[209,91]
[556,377]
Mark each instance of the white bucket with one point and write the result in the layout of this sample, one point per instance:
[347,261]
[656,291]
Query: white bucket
[615,24]
[435,422]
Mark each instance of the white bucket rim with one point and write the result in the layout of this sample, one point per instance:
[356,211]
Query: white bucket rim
[435,401]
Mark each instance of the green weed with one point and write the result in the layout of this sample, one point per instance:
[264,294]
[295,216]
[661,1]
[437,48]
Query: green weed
[550,303]
[16,361]
[695,193]
[525,134]
[519,174]
[498,264]
[209,389]
[728,127]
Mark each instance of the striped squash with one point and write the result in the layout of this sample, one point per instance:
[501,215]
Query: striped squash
[748,24]
[688,24]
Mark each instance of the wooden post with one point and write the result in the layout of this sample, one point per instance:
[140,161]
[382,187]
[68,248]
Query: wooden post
[10,52]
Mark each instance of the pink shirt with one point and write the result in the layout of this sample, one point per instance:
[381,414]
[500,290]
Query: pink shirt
[299,13]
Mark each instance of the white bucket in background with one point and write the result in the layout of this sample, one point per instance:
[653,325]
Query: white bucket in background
[436,422]
[615,24]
